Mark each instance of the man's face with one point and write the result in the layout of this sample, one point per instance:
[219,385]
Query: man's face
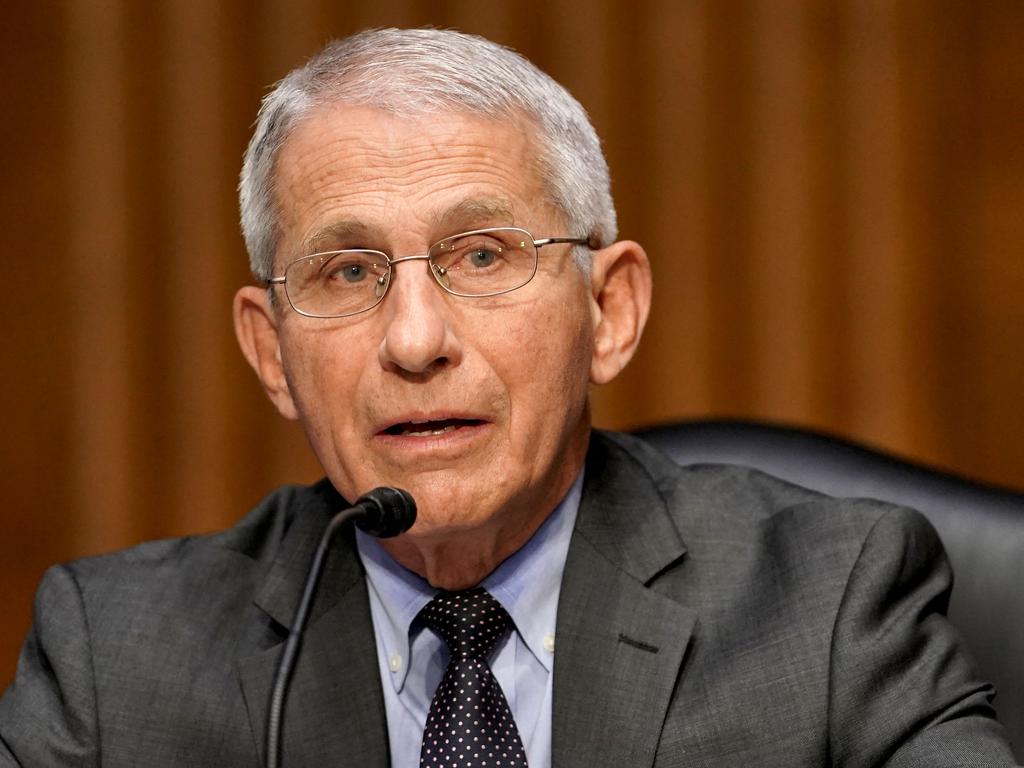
[478,406]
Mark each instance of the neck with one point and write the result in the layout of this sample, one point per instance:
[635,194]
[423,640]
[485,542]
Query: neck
[459,561]
[462,558]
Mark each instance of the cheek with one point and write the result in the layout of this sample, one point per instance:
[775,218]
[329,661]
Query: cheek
[569,337]
[551,374]
[318,374]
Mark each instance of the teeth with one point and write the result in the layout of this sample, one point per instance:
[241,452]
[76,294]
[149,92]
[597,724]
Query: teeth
[428,432]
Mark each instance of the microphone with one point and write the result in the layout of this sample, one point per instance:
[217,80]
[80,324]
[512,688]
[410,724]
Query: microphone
[386,512]
[383,512]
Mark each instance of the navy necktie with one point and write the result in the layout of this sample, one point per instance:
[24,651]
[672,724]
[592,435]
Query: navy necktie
[469,723]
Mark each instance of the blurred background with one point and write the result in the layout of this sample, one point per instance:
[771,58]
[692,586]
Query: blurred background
[831,192]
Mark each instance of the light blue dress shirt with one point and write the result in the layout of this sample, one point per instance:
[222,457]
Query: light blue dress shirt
[412,660]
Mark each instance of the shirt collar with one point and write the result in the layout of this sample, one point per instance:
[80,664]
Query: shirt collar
[399,593]
[526,584]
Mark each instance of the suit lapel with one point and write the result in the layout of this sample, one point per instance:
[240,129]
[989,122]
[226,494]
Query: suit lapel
[335,708]
[619,644]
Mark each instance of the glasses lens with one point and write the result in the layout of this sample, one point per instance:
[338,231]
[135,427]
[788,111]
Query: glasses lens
[337,283]
[486,262]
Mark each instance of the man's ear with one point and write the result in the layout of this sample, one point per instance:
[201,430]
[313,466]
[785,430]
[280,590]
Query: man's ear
[258,336]
[620,284]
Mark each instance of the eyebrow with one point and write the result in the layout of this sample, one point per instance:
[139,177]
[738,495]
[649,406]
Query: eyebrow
[332,235]
[475,212]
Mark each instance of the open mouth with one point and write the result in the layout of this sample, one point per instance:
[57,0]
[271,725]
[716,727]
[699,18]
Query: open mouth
[430,428]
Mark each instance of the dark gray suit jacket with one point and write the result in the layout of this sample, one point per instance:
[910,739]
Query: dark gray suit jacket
[709,616]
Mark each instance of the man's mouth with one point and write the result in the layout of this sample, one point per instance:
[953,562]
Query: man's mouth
[429,428]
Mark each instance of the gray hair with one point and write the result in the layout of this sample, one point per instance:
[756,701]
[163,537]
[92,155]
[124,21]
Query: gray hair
[415,71]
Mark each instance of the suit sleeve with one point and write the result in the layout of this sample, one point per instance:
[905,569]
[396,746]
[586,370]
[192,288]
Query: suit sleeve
[48,715]
[903,691]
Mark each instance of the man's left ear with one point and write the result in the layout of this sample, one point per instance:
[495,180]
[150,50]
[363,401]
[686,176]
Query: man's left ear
[620,284]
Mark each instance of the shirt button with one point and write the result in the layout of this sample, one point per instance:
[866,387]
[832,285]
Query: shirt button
[549,643]
[395,662]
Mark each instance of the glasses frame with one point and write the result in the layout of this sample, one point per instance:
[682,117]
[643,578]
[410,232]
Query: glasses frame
[435,271]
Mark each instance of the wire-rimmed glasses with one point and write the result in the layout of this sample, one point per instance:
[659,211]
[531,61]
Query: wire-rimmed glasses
[483,262]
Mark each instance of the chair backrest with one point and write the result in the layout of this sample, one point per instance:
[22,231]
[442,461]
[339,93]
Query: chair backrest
[982,528]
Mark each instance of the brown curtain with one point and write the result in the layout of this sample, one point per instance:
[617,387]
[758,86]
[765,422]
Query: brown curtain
[832,194]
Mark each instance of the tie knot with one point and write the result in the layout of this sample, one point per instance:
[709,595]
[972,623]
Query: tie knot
[470,622]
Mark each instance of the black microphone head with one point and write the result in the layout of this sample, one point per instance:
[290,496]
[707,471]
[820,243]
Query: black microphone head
[387,512]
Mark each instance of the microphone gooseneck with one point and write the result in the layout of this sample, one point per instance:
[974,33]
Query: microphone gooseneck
[383,512]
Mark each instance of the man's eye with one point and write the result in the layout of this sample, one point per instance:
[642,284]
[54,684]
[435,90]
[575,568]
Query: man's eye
[349,273]
[481,257]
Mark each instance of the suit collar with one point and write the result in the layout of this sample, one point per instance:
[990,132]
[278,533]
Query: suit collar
[620,644]
[625,513]
[279,594]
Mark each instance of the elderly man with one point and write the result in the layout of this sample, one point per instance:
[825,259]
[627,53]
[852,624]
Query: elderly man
[430,218]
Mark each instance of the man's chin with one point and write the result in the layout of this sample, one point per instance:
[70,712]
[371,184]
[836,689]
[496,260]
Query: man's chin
[449,499]
[431,528]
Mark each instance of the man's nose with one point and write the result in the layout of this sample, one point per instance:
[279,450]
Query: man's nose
[420,335]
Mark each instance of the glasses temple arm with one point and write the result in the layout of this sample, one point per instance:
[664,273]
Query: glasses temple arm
[573,240]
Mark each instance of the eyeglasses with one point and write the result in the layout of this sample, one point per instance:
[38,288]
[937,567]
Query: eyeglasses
[484,262]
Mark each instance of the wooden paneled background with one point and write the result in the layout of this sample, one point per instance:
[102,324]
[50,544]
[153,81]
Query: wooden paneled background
[831,191]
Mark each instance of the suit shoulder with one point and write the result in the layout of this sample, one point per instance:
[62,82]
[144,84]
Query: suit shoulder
[723,497]
[186,563]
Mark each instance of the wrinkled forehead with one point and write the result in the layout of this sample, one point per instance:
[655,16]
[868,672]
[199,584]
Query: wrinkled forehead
[346,168]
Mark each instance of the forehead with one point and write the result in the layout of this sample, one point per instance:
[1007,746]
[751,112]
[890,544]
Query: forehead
[363,171]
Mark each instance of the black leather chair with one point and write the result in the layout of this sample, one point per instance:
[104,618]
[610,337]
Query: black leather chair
[981,527]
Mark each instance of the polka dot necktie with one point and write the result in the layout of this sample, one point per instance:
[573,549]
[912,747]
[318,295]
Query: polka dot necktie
[469,723]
